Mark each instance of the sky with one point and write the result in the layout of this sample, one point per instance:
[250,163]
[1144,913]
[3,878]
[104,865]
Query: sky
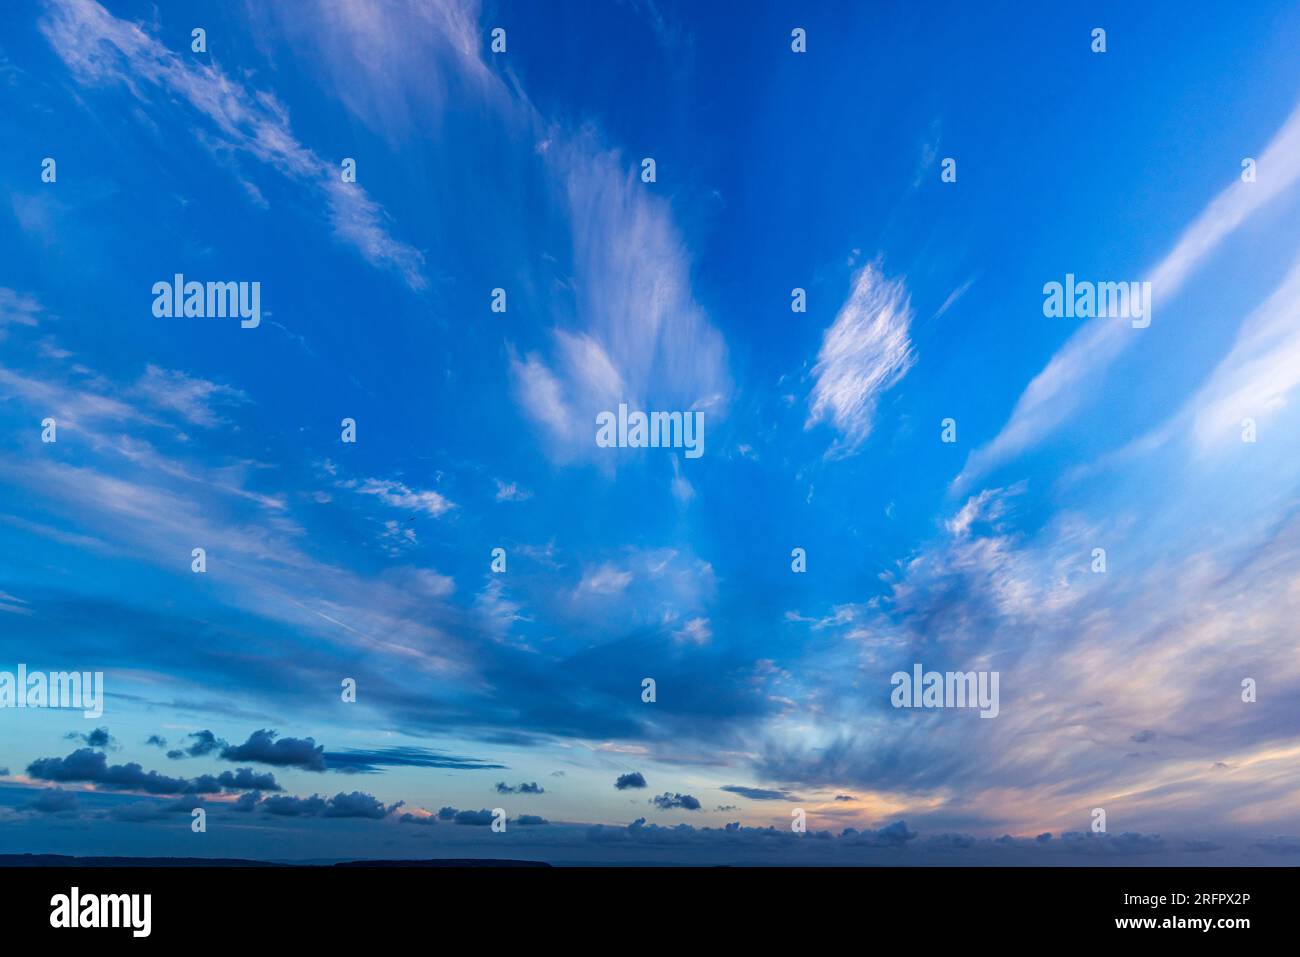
[946,455]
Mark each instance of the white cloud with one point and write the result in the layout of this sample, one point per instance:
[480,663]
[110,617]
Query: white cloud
[604,580]
[682,489]
[864,352]
[511,492]
[697,631]
[1054,393]
[100,49]
[18,308]
[193,398]
[398,495]
[1261,371]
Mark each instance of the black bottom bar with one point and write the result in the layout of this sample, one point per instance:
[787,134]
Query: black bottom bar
[499,903]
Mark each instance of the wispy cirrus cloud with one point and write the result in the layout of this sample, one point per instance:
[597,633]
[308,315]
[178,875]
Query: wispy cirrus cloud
[1054,394]
[194,399]
[101,49]
[19,308]
[398,495]
[865,352]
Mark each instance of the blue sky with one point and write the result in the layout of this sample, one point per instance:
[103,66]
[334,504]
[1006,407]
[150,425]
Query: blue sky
[475,429]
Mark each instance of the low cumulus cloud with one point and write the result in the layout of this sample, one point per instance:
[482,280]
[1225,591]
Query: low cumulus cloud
[531,788]
[87,765]
[633,780]
[355,804]
[99,738]
[668,802]
[479,818]
[53,801]
[263,747]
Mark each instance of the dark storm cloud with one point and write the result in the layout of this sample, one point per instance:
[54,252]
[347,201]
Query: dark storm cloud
[667,802]
[632,780]
[262,747]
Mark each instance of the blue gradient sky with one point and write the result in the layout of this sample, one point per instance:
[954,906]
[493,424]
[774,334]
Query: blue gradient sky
[822,430]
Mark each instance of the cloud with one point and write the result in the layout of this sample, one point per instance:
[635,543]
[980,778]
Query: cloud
[246,779]
[1055,392]
[356,761]
[18,308]
[100,49]
[865,352]
[634,332]
[1257,377]
[356,804]
[531,788]
[53,801]
[480,818]
[143,812]
[1279,845]
[87,765]
[531,820]
[397,495]
[604,580]
[291,806]
[98,738]
[892,835]
[156,740]
[697,631]
[668,801]
[423,818]
[633,779]
[205,742]
[263,748]
[759,794]
[195,400]
[511,492]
